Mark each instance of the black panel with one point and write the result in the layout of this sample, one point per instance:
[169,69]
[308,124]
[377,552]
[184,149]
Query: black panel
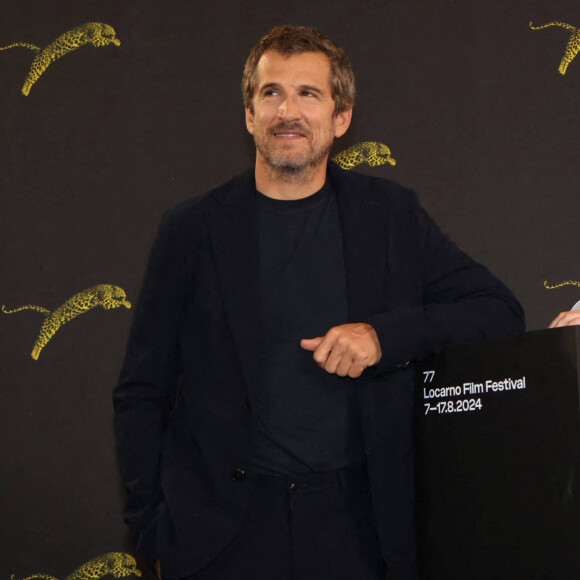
[498,451]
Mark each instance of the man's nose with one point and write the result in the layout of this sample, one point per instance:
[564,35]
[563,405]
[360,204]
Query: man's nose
[288,109]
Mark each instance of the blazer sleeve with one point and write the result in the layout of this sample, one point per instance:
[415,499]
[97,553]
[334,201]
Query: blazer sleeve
[146,393]
[461,302]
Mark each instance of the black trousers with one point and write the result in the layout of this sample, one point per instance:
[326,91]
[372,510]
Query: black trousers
[310,527]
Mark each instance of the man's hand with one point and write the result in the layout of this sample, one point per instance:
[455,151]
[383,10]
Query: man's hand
[346,350]
[569,318]
[158,568]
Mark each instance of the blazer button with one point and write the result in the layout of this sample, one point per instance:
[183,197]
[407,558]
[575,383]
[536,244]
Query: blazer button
[239,475]
[247,404]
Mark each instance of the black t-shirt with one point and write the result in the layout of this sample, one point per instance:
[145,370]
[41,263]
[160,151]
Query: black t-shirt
[305,418]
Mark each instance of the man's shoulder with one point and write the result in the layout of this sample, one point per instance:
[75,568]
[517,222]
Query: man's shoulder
[369,188]
[232,190]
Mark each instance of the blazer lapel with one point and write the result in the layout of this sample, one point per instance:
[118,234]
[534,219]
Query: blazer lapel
[234,238]
[365,237]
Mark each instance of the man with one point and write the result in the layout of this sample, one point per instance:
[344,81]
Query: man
[241,455]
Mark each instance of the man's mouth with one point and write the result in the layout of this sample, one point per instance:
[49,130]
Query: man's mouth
[289,132]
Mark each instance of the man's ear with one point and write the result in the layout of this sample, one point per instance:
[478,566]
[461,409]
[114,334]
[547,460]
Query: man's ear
[249,121]
[341,122]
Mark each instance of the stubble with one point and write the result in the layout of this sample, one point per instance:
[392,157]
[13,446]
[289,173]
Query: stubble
[289,165]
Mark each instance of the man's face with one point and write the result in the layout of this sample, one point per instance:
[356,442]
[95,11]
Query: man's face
[293,121]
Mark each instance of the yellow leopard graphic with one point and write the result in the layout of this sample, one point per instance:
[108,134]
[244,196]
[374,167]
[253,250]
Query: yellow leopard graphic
[369,152]
[104,295]
[567,283]
[573,46]
[116,564]
[95,33]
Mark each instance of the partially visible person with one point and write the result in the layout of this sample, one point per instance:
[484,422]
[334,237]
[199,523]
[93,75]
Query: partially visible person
[567,318]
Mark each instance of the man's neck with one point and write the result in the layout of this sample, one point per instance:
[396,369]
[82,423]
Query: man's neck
[279,185]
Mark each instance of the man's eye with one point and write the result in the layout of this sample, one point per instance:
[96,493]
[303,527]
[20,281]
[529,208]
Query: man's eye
[270,93]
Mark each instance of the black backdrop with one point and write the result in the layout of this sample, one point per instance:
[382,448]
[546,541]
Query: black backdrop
[468,98]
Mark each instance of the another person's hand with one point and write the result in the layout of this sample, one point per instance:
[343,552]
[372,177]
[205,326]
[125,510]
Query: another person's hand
[345,350]
[158,568]
[568,318]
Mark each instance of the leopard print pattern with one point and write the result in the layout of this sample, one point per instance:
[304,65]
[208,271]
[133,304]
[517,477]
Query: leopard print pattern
[573,46]
[96,33]
[561,284]
[106,296]
[369,152]
[116,564]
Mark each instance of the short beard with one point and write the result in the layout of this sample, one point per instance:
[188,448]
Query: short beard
[299,165]
[297,169]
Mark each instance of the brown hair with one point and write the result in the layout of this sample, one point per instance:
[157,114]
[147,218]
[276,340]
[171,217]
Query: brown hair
[288,40]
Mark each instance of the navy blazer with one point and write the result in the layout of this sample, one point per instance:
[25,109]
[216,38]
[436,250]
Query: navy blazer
[183,421]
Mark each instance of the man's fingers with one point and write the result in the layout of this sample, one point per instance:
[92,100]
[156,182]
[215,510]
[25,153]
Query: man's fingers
[356,370]
[311,343]
[569,318]
[324,349]
[345,350]
[343,368]
[334,358]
